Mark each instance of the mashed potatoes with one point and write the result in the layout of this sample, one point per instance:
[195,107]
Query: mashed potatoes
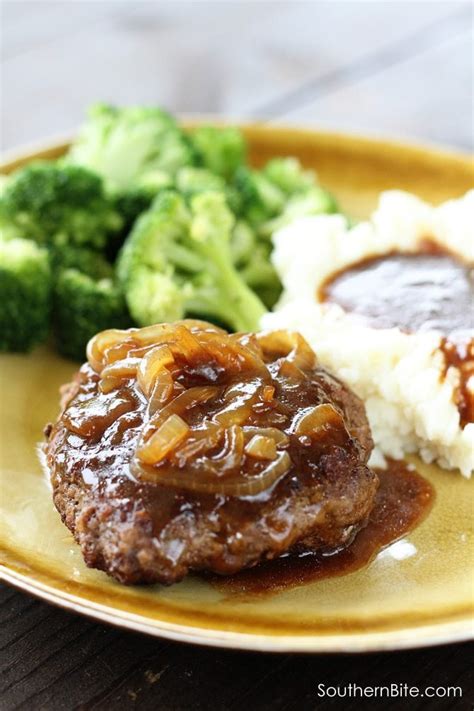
[408,387]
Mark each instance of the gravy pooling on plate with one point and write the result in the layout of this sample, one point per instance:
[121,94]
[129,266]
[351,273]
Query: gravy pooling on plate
[403,500]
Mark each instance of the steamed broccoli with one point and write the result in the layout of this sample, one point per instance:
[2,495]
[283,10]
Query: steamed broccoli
[289,175]
[138,198]
[260,275]
[191,181]
[279,193]
[242,243]
[4,179]
[196,221]
[85,298]
[25,293]
[125,145]
[178,260]
[82,307]
[269,199]
[220,150]
[58,204]
[314,201]
[260,198]
[88,261]
[251,257]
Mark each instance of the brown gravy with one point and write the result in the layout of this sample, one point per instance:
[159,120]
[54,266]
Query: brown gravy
[414,292]
[461,355]
[403,500]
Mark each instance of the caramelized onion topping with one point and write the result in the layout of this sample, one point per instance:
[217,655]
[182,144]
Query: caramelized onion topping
[205,482]
[125,368]
[165,439]
[261,447]
[151,365]
[100,343]
[317,419]
[292,346]
[161,391]
[280,438]
[214,419]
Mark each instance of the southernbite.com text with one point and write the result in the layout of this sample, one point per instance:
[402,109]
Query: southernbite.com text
[389,691]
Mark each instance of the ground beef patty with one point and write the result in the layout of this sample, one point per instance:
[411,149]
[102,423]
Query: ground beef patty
[182,448]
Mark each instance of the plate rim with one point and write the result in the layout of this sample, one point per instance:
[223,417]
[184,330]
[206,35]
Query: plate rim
[361,642]
[10,156]
[410,637]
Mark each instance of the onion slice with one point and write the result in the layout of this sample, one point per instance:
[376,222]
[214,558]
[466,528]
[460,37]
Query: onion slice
[119,351]
[202,483]
[184,401]
[153,335]
[198,442]
[188,346]
[289,344]
[280,438]
[150,366]
[100,342]
[126,368]
[261,447]
[231,455]
[238,401]
[162,391]
[106,385]
[317,419]
[197,326]
[164,440]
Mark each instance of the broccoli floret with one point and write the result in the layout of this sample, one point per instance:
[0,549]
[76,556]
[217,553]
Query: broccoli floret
[313,201]
[260,198]
[25,294]
[269,199]
[261,276]
[82,307]
[242,243]
[153,297]
[278,193]
[178,261]
[191,181]
[251,256]
[132,202]
[288,174]
[303,194]
[139,197]
[57,204]
[124,145]
[3,183]
[220,150]
[88,261]
[8,230]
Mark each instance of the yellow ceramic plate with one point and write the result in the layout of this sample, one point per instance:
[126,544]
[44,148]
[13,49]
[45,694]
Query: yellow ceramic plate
[417,592]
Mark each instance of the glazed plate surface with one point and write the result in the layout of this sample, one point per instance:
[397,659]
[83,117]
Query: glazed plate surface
[417,592]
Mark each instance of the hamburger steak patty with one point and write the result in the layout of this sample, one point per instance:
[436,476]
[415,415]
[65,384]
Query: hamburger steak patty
[249,450]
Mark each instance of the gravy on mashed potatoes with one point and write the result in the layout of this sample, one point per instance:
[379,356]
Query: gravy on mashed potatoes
[392,316]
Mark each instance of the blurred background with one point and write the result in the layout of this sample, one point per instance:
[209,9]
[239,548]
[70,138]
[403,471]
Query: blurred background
[401,68]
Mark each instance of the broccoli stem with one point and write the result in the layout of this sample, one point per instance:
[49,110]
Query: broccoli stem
[230,300]
[244,306]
